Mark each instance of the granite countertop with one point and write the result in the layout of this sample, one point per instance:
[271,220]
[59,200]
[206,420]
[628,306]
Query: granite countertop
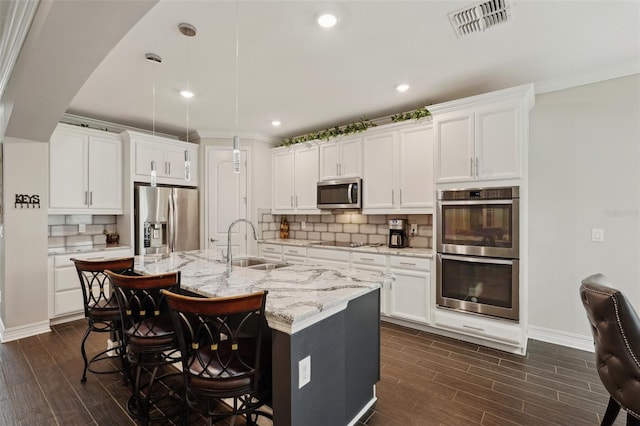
[407,251]
[299,295]
[86,249]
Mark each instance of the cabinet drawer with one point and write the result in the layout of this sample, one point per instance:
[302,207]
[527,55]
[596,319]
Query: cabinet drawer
[328,254]
[478,327]
[65,279]
[63,260]
[372,259]
[68,302]
[271,251]
[294,251]
[404,262]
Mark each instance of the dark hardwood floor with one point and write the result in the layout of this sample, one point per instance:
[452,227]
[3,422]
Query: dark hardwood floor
[425,380]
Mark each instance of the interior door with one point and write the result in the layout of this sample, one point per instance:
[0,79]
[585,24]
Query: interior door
[227,200]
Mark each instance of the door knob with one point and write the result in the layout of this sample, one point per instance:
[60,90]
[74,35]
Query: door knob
[212,240]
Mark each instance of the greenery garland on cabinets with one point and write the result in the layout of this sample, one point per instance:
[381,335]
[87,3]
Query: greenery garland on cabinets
[355,127]
[415,114]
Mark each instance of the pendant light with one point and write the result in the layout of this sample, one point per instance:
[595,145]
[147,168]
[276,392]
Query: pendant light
[236,138]
[188,31]
[154,59]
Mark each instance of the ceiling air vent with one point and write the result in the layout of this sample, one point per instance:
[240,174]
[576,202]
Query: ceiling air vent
[479,17]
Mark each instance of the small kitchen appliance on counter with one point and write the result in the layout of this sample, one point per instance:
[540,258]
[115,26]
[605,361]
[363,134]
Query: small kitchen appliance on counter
[398,235]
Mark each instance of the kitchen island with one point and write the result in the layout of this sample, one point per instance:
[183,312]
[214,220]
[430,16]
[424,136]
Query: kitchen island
[330,315]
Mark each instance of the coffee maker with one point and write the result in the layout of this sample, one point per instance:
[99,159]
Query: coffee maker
[398,235]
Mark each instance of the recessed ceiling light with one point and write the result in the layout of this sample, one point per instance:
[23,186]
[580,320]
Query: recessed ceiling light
[402,88]
[275,123]
[327,20]
[186,94]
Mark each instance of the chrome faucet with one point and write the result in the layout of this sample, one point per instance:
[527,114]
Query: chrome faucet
[255,237]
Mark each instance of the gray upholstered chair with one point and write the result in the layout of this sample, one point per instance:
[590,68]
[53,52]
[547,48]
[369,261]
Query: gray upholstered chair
[616,332]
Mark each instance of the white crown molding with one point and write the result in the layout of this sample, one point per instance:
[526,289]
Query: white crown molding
[229,134]
[20,332]
[93,123]
[17,22]
[562,338]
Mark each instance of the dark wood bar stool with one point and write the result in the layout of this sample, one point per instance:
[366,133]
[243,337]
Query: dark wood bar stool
[151,343]
[223,354]
[101,310]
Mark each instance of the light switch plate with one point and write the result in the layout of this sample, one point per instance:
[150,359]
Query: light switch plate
[82,227]
[414,229]
[304,371]
[597,234]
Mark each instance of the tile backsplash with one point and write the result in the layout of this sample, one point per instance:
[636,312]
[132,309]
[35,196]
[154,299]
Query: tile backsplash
[347,227]
[64,230]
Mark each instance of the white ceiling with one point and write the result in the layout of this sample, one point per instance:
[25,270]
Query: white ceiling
[309,78]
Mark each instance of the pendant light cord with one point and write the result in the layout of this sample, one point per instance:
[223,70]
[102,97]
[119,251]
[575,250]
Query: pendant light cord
[237,61]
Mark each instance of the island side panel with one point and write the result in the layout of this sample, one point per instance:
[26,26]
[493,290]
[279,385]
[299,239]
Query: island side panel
[345,365]
[363,351]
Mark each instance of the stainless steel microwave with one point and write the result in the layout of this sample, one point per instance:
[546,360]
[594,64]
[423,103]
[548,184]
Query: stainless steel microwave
[340,194]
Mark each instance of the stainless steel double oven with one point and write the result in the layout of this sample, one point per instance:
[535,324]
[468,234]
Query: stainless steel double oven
[477,244]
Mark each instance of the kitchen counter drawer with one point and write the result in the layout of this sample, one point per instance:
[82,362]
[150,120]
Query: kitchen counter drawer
[63,260]
[404,262]
[370,259]
[328,254]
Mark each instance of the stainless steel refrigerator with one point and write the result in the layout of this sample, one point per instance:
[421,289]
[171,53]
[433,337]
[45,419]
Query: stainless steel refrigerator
[166,219]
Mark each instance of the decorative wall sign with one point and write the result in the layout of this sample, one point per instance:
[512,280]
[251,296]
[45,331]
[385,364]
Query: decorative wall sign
[30,201]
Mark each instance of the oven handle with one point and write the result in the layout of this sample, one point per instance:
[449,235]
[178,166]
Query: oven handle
[473,259]
[474,202]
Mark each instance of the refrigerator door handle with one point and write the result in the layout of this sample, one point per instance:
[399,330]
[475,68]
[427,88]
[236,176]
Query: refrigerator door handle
[172,222]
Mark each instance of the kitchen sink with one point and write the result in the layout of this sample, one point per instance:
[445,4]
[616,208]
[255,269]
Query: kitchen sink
[257,263]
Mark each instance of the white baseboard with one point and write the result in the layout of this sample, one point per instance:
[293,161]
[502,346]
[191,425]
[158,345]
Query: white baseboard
[562,338]
[22,331]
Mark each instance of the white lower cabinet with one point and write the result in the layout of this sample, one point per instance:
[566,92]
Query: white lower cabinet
[376,263]
[65,293]
[296,255]
[409,295]
[485,328]
[329,257]
[270,251]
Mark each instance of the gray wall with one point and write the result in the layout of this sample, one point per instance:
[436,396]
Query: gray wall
[584,160]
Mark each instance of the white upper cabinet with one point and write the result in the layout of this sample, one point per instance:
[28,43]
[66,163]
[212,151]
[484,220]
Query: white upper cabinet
[85,171]
[341,159]
[295,175]
[482,137]
[171,157]
[398,170]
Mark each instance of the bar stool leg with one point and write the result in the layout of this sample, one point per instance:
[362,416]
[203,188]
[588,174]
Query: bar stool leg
[84,354]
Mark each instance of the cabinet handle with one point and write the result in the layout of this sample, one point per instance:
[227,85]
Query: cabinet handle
[401,196]
[471,166]
[341,169]
[293,251]
[337,169]
[477,169]
[86,197]
[393,197]
[269,249]
[90,197]
[292,201]
[407,263]
[472,328]
[366,259]
[296,201]
[169,167]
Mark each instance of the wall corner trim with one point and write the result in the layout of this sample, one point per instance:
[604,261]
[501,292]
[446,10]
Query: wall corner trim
[22,331]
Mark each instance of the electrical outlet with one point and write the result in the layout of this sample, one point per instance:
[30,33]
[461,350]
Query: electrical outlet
[0,297]
[303,225]
[82,227]
[597,234]
[414,229]
[304,371]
